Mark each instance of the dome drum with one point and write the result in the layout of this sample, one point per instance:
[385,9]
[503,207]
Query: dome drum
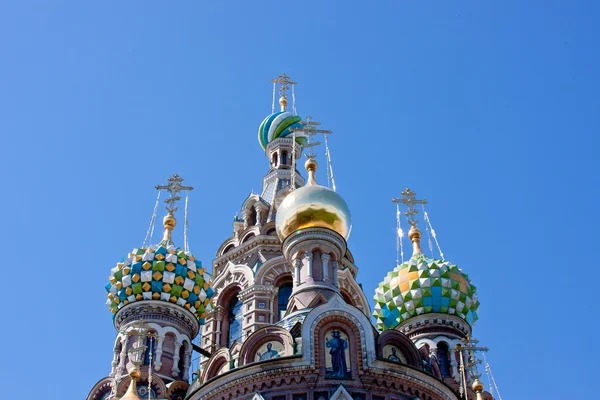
[309,239]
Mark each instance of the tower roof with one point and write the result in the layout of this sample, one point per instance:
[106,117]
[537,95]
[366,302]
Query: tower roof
[163,271]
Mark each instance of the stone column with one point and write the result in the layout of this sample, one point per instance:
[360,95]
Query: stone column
[187,360]
[115,362]
[246,215]
[175,370]
[297,264]
[158,353]
[124,343]
[335,273]
[454,365]
[309,265]
[219,318]
[325,260]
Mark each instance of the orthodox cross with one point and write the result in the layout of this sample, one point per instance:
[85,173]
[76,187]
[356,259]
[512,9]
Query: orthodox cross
[174,187]
[468,361]
[309,129]
[284,81]
[409,200]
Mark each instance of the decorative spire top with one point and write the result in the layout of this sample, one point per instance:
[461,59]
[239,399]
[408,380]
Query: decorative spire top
[174,188]
[311,166]
[409,200]
[285,82]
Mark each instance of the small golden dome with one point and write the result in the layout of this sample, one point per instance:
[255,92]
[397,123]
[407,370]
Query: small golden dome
[477,386]
[131,393]
[313,206]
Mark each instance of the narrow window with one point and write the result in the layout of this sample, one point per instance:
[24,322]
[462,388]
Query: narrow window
[283,297]
[235,321]
[284,157]
[443,359]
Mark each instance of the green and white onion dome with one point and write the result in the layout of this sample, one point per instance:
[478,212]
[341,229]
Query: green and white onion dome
[163,272]
[424,285]
[278,125]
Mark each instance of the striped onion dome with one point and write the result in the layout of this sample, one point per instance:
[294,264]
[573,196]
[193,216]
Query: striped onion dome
[278,125]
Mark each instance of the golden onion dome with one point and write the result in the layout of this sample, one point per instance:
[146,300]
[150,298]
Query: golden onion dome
[313,206]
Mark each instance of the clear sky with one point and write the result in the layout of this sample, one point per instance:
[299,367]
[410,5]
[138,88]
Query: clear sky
[488,109]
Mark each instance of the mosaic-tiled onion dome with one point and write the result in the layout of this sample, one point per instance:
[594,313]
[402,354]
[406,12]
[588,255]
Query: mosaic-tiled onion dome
[278,125]
[424,285]
[162,272]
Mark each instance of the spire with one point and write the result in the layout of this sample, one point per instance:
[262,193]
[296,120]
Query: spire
[174,188]
[285,82]
[311,167]
[409,200]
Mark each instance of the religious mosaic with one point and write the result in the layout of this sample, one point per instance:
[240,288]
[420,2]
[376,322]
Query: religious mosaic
[337,357]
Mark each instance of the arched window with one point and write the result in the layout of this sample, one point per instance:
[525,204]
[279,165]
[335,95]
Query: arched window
[442,350]
[283,297]
[150,348]
[235,321]
[274,160]
[284,157]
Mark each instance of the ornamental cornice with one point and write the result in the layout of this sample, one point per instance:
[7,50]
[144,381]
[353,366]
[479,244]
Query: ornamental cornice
[412,326]
[255,242]
[403,380]
[259,289]
[315,234]
[158,311]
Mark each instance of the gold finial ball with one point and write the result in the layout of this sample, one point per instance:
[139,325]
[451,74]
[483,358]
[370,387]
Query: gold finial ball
[477,386]
[311,165]
[283,102]
[135,373]
[414,233]
[169,221]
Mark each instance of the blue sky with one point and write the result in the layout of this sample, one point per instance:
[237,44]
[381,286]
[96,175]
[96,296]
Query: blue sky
[490,110]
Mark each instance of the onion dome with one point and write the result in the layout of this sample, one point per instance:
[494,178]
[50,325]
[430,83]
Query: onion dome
[424,285]
[278,125]
[313,206]
[162,272]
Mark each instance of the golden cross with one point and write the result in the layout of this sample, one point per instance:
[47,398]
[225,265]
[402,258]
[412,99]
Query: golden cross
[409,200]
[284,81]
[308,128]
[174,187]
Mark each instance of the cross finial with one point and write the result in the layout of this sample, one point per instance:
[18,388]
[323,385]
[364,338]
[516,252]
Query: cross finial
[309,130]
[409,200]
[174,187]
[284,81]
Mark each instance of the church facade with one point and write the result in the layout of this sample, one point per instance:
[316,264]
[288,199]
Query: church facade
[282,315]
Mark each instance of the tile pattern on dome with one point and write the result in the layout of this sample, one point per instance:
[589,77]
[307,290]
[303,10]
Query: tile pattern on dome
[424,285]
[162,272]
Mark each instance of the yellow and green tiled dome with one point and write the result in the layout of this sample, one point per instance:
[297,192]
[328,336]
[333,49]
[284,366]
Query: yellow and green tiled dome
[424,285]
[162,272]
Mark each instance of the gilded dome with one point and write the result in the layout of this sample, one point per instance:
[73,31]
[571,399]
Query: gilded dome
[313,206]
[162,272]
[424,285]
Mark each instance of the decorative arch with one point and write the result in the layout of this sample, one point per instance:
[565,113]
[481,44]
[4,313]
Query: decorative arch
[218,362]
[158,385]
[337,313]
[177,390]
[353,291]
[403,344]
[263,336]
[271,270]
